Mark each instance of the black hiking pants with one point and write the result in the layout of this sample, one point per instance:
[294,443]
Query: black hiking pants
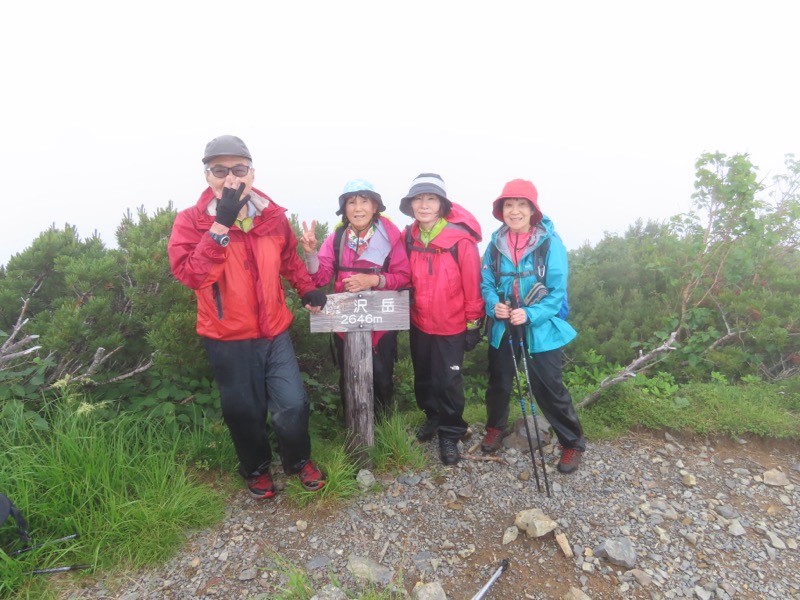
[255,378]
[438,384]
[547,385]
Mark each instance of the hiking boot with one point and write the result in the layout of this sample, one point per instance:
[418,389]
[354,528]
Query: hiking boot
[448,450]
[311,477]
[493,440]
[261,486]
[428,429]
[570,460]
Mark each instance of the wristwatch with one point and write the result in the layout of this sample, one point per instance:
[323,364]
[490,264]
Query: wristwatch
[221,238]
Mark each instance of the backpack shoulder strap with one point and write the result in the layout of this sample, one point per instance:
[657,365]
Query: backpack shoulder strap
[540,259]
[494,254]
[338,247]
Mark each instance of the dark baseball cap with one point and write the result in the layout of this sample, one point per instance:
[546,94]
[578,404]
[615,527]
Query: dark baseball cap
[226,145]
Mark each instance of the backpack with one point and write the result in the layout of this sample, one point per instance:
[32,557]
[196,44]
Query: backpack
[338,247]
[539,269]
[410,247]
[7,509]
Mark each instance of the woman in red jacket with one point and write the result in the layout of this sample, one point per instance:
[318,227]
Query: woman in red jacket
[447,310]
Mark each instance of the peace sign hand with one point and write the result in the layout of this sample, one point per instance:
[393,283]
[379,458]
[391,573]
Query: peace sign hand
[309,238]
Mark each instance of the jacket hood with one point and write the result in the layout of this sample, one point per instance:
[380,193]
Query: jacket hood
[459,215]
[518,188]
[461,224]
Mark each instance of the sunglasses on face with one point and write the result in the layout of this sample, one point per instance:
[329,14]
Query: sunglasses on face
[221,172]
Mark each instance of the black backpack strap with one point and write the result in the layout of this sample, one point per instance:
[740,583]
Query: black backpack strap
[494,253]
[7,508]
[410,247]
[540,259]
[338,247]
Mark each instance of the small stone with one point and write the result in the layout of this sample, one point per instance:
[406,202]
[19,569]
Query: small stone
[467,552]
[575,594]
[776,541]
[365,479]
[534,522]
[510,534]
[563,543]
[428,591]
[775,477]
[248,574]
[302,525]
[735,528]
[689,480]
[643,578]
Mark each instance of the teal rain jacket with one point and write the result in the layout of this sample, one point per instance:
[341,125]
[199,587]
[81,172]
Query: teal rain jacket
[544,329]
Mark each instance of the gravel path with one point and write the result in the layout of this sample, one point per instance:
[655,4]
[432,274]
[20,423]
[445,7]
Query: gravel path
[646,517]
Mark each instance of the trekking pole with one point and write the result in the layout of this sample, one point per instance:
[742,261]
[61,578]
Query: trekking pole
[510,330]
[524,353]
[29,548]
[482,592]
[59,569]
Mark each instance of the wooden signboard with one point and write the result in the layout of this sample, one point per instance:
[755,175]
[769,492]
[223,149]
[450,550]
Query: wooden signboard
[363,311]
[357,315]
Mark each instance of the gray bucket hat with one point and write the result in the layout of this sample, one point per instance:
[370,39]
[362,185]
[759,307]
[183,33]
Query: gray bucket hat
[426,183]
[226,145]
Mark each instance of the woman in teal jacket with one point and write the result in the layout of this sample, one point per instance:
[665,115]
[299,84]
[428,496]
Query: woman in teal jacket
[515,297]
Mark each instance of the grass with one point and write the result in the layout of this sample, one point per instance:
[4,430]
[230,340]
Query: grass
[762,409]
[120,484]
[133,487]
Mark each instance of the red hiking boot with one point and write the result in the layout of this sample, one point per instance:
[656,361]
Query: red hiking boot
[311,477]
[261,486]
[570,460]
[493,439]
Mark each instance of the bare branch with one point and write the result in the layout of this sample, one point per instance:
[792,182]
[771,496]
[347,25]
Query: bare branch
[21,321]
[7,358]
[636,366]
[140,369]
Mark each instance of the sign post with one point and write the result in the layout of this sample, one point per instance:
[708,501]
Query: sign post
[357,315]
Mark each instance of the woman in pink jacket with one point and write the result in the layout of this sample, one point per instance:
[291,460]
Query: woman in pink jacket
[364,252]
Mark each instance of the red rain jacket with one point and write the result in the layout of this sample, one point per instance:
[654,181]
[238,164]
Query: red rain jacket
[447,294]
[239,290]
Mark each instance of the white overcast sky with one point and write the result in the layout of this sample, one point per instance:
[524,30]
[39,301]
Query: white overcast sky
[605,106]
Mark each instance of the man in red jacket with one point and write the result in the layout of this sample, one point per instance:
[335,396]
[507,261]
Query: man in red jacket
[232,248]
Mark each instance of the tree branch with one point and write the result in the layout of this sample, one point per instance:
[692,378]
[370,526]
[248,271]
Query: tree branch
[644,360]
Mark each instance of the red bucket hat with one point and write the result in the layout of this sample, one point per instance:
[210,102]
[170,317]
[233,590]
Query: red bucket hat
[518,188]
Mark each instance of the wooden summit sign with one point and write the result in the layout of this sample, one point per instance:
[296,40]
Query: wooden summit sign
[363,311]
[357,315]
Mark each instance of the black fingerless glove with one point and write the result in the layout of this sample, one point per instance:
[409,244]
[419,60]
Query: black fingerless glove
[230,204]
[472,338]
[314,298]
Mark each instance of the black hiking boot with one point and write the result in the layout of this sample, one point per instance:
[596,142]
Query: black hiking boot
[428,429]
[448,450]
